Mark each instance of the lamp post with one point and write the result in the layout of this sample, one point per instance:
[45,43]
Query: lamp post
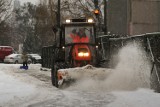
[105,17]
[59,14]
[96,11]
[58,25]
[97,14]
[105,29]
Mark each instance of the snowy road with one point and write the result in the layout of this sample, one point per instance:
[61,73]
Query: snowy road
[32,88]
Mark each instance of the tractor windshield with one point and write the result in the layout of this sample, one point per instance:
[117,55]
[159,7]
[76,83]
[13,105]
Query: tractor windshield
[79,34]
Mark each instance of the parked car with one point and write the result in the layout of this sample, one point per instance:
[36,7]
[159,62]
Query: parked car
[15,59]
[5,51]
[35,58]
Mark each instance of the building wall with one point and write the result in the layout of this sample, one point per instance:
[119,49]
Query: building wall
[145,16]
[132,17]
[117,16]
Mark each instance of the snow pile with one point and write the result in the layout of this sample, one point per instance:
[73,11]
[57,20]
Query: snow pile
[132,72]
[11,88]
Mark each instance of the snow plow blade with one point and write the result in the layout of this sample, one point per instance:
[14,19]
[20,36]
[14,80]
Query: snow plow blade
[67,77]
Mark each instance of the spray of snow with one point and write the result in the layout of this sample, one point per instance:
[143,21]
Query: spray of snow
[131,73]
[133,70]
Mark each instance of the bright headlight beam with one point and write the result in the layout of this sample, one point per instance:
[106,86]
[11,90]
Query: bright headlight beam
[81,54]
[68,21]
[86,54]
[90,20]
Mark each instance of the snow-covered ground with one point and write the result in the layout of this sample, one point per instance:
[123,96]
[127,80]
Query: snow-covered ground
[18,89]
[125,86]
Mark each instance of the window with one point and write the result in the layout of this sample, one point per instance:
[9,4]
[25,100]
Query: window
[79,34]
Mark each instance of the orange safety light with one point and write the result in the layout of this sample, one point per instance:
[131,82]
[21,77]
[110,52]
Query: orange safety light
[96,11]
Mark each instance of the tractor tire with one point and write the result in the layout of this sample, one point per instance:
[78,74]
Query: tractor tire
[54,73]
[54,76]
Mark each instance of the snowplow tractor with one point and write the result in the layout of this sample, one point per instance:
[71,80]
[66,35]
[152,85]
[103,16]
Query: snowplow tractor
[73,51]
[77,47]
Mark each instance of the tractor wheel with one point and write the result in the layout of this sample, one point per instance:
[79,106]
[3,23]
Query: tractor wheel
[54,76]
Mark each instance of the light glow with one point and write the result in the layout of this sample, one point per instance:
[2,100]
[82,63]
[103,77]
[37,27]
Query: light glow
[82,54]
[90,20]
[68,21]
[63,47]
[86,54]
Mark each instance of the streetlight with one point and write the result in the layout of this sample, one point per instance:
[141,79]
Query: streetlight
[97,13]
[59,14]
[105,17]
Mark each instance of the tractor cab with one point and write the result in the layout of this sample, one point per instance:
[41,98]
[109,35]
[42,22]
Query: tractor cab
[79,41]
[79,31]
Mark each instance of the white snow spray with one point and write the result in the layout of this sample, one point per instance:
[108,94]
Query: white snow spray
[132,72]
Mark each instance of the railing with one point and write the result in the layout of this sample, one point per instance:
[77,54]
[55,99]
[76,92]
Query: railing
[155,71]
[151,44]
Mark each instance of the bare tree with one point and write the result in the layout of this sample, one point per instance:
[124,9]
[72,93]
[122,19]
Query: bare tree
[44,22]
[5,6]
[4,25]
[53,10]
[75,8]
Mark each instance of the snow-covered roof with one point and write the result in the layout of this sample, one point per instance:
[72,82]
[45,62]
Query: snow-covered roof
[6,46]
[12,55]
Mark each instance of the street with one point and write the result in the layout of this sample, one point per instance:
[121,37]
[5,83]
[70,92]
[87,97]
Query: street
[32,88]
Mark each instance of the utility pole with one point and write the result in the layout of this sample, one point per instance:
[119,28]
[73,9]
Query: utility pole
[105,17]
[96,5]
[105,29]
[96,11]
[59,14]
[57,28]
[97,14]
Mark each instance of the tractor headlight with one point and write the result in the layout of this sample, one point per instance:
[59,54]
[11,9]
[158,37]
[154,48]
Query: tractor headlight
[90,20]
[86,54]
[82,54]
[68,21]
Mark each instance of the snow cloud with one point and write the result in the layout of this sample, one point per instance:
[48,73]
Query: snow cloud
[131,73]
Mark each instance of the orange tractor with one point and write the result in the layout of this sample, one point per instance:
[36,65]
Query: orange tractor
[75,46]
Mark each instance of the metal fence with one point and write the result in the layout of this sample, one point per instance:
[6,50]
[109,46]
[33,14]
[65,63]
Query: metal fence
[151,44]
[47,56]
